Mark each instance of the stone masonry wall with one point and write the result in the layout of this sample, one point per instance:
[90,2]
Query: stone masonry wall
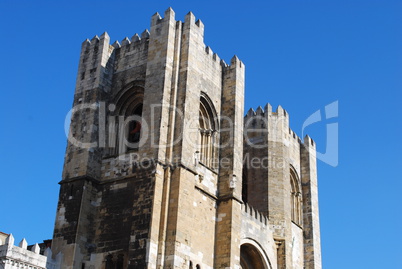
[255,230]
[157,205]
[269,138]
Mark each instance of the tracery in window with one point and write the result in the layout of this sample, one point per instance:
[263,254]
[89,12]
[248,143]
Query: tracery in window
[128,121]
[296,197]
[208,134]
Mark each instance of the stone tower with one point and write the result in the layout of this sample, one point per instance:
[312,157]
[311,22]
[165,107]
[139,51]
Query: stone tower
[158,173]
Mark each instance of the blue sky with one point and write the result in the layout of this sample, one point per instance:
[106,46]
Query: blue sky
[300,54]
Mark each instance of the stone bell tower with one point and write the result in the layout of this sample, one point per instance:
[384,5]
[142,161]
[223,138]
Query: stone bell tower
[153,202]
[155,174]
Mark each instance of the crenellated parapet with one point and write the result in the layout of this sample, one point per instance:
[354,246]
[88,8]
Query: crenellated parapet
[264,124]
[280,175]
[95,69]
[129,44]
[266,118]
[251,213]
[12,256]
[267,133]
[100,59]
[256,230]
[157,170]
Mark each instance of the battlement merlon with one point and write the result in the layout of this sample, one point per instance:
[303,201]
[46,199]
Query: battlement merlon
[99,47]
[266,119]
[309,142]
[267,111]
[93,64]
[190,22]
[193,26]
[169,16]
[24,256]
[254,214]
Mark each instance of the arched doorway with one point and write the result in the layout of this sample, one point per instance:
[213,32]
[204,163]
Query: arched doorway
[251,258]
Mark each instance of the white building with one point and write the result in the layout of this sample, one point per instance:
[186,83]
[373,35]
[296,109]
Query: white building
[12,256]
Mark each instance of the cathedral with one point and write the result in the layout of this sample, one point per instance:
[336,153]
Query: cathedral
[164,169]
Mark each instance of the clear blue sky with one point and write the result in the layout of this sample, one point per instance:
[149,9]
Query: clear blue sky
[300,54]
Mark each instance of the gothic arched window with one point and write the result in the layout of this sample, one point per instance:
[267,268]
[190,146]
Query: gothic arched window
[296,198]
[208,134]
[125,131]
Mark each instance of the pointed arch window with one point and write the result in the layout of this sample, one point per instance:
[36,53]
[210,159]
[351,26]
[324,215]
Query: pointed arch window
[296,197]
[208,134]
[125,130]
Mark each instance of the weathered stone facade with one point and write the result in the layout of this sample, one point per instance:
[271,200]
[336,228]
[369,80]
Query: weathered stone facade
[158,173]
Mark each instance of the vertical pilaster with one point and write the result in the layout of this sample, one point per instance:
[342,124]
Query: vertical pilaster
[158,83]
[279,205]
[166,181]
[155,223]
[228,225]
[160,80]
[189,91]
[311,223]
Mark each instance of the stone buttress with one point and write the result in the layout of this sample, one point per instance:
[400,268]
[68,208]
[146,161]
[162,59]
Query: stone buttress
[155,175]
